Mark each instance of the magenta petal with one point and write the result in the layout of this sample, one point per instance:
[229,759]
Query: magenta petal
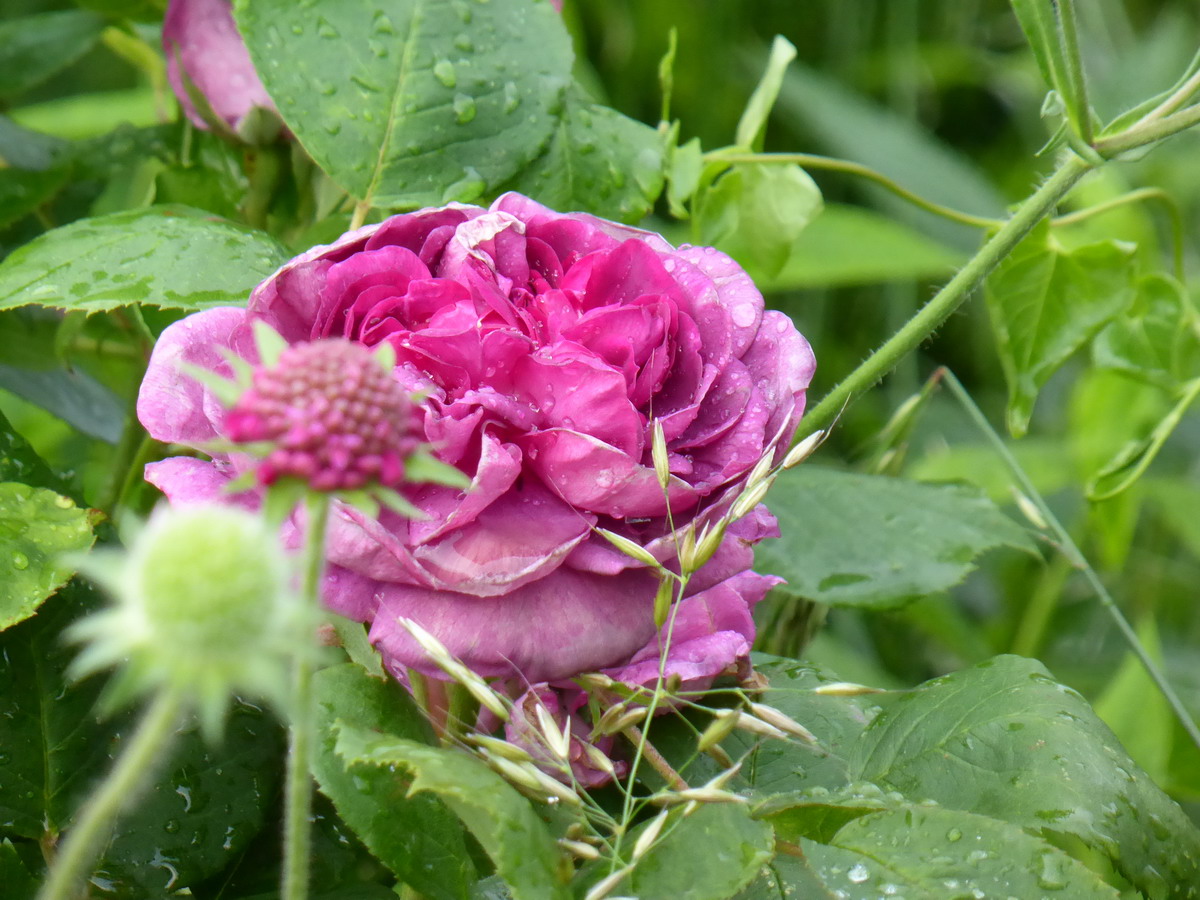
[187,481]
[590,474]
[590,623]
[781,363]
[173,406]
[521,536]
[201,36]
[447,508]
[735,290]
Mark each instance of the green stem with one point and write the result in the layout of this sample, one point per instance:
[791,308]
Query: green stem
[846,167]
[360,214]
[949,298]
[1186,91]
[1149,131]
[1076,558]
[297,837]
[91,829]
[1069,41]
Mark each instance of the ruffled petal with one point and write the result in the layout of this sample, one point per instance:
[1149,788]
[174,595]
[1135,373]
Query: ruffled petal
[173,406]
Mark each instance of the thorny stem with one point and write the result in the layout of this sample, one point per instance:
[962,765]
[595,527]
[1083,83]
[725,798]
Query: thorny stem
[297,837]
[949,298]
[1075,557]
[136,764]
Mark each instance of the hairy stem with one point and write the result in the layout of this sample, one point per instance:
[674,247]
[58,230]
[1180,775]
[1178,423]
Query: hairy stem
[297,838]
[949,298]
[1076,558]
[91,829]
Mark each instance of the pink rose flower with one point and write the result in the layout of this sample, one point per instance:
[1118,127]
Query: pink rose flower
[543,346]
[200,36]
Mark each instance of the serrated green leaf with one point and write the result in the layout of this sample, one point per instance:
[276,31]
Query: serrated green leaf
[1003,739]
[931,853]
[849,245]
[753,123]
[32,48]
[755,213]
[878,542]
[709,855]
[37,528]
[1157,339]
[416,837]
[598,161]
[413,102]
[504,823]
[171,257]
[1045,302]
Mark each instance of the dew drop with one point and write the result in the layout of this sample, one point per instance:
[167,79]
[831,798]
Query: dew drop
[464,108]
[464,43]
[443,71]
[512,98]
[171,826]
[953,835]
[20,561]
[858,873]
[325,28]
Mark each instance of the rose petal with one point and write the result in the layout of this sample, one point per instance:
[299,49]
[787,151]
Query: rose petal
[187,481]
[589,623]
[200,37]
[173,406]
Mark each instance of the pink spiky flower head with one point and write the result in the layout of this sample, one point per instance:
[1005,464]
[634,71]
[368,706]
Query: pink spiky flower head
[333,415]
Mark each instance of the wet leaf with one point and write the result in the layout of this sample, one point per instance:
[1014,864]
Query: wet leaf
[942,853]
[172,257]
[416,837]
[37,528]
[598,161]
[504,822]
[709,855]
[413,102]
[878,542]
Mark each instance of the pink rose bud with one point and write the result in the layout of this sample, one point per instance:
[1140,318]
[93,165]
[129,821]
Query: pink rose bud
[202,43]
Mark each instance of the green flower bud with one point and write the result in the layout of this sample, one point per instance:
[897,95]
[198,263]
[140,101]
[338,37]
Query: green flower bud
[202,606]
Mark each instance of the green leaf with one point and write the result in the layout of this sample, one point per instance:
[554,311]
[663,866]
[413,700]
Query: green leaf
[1045,32]
[51,743]
[21,148]
[598,161]
[169,257]
[21,191]
[1157,339]
[925,852]
[878,542]
[709,855]
[753,123]
[1045,302]
[94,114]
[202,812]
[849,245]
[37,527]
[33,48]
[1135,457]
[685,163]
[1003,739]
[504,823]
[415,837]
[70,394]
[413,102]
[819,813]
[423,467]
[18,881]
[19,461]
[755,213]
